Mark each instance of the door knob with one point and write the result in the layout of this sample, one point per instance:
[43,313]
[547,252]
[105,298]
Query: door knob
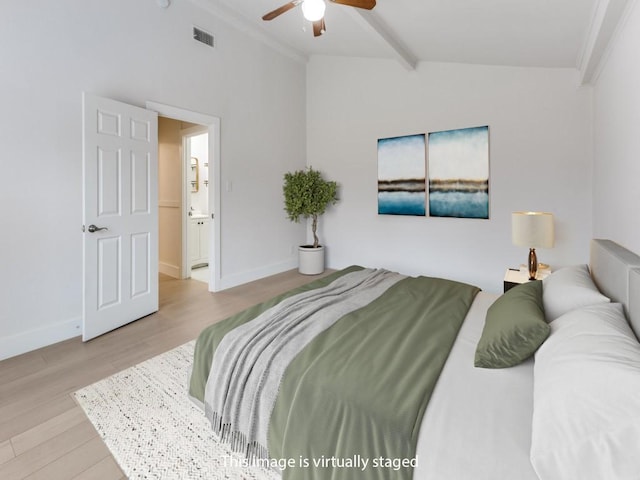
[93,228]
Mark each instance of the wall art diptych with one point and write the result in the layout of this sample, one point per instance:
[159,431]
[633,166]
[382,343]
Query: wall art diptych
[459,173]
[402,175]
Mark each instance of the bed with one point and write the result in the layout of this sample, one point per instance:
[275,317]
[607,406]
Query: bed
[526,419]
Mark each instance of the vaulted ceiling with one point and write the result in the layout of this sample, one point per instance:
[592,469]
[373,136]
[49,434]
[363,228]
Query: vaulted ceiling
[530,33]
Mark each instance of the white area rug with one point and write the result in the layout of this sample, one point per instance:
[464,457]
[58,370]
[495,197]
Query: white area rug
[153,430]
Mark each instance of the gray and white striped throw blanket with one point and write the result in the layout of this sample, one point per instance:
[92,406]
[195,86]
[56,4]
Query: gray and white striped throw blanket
[249,363]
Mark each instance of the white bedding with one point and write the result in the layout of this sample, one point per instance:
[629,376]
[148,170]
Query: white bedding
[477,425]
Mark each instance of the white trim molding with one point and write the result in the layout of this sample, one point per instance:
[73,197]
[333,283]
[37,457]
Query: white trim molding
[40,337]
[249,28]
[236,279]
[213,124]
[170,270]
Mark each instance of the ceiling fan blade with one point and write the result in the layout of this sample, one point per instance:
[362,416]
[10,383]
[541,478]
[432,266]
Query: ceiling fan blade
[319,27]
[279,11]
[366,4]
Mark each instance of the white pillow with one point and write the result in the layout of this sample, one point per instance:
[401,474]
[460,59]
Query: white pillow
[567,289]
[586,398]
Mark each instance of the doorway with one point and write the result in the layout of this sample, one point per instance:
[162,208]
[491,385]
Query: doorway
[195,124]
[195,161]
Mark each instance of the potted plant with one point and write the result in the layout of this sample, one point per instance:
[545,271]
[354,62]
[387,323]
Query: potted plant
[307,195]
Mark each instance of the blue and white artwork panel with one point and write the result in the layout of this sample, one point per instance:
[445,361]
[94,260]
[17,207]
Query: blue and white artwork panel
[459,173]
[402,175]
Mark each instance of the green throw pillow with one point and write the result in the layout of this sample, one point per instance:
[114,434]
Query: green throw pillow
[514,327]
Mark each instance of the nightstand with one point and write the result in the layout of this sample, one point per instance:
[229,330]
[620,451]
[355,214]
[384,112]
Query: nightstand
[515,277]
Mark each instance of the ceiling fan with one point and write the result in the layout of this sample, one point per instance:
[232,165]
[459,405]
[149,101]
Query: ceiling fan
[313,10]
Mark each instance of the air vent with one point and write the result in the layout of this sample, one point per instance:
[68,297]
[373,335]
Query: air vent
[202,36]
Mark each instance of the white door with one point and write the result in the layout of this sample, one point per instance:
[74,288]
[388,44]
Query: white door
[120,217]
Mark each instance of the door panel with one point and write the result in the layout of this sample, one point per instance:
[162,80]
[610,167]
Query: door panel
[140,252]
[108,182]
[120,179]
[108,272]
[140,178]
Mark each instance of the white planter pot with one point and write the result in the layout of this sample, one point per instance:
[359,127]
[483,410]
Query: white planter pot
[310,260]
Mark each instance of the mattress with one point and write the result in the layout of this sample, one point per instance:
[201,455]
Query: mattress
[477,425]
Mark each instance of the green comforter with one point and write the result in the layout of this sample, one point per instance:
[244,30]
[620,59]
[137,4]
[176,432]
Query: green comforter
[351,403]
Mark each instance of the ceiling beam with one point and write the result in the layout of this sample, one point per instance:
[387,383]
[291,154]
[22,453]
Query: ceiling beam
[608,16]
[372,23]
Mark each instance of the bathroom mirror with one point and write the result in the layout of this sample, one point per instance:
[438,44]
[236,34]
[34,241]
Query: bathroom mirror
[193,179]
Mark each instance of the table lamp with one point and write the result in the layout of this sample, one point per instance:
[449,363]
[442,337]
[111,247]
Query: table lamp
[533,230]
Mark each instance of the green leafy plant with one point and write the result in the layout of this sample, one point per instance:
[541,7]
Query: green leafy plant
[307,195]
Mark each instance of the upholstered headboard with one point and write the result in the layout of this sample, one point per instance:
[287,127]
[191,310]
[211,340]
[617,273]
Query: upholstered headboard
[634,300]
[616,272]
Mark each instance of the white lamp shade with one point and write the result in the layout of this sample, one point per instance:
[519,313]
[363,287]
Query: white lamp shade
[532,229]
[313,10]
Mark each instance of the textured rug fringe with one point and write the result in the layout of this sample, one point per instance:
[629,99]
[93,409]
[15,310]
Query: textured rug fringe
[252,451]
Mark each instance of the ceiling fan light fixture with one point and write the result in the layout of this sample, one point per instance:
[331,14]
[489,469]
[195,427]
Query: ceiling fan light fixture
[313,10]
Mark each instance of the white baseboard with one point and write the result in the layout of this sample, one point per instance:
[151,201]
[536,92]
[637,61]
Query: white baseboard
[229,281]
[13,345]
[40,337]
[168,269]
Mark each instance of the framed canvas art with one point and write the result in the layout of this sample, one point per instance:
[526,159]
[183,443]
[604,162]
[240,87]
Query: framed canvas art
[459,173]
[401,175]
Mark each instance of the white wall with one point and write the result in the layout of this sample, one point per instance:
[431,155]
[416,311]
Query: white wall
[617,139]
[540,159]
[131,51]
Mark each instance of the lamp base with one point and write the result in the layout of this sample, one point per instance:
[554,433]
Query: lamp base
[533,264]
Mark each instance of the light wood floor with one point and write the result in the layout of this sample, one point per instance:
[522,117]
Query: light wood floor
[44,434]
